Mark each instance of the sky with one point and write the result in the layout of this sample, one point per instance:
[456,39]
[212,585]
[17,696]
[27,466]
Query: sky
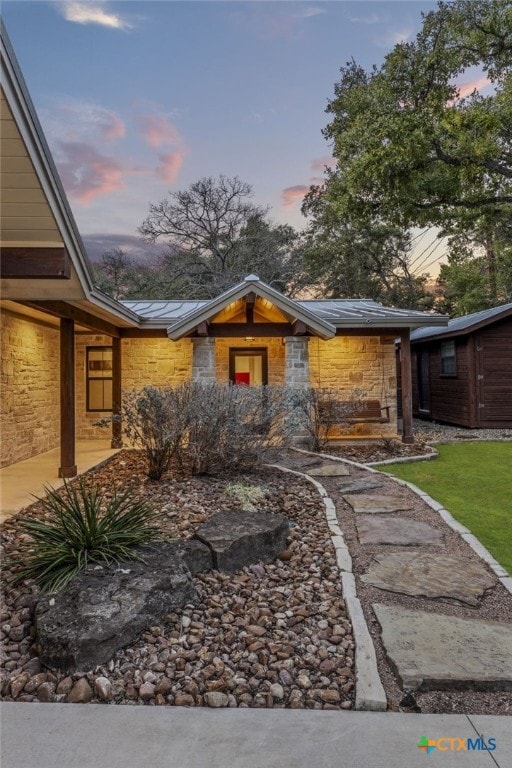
[139,99]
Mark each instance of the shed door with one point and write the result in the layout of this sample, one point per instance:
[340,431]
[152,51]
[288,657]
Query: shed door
[424,381]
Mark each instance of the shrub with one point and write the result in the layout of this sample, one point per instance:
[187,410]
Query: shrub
[82,526]
[322,409]
[232,426]
[155,420]
[248,496]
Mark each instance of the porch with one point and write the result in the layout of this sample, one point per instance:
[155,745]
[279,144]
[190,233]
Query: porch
[20,482]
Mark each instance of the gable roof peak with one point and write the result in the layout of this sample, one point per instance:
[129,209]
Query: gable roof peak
[251,279]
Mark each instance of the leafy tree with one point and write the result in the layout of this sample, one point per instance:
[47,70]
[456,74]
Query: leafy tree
[409,149]
[360,260]
[216,236]
[479,270]
[412,149]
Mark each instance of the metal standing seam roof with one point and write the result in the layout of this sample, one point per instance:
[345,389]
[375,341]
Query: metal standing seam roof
[465,323]
[339,312]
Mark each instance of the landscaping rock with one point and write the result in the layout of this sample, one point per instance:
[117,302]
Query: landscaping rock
[104,609]
[81,692]
[430,575]
[237,538]
[196,555]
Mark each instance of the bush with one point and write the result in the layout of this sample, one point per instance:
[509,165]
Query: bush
[322,409]
[155,420]
[82,526]
[231,426]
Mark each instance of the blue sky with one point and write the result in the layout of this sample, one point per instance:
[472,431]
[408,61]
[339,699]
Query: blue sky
[139,98]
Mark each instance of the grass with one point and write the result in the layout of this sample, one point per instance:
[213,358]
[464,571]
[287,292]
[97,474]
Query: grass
[473,481]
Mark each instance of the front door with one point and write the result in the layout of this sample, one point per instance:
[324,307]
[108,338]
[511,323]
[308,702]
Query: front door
[248,366]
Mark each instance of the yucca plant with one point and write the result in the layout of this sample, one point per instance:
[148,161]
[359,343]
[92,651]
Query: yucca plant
[83,526]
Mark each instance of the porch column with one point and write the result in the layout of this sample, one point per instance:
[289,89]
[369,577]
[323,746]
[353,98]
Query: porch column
[67,399]
[203,359]
[296,376]
[405,366]
[117,439]
[296,362]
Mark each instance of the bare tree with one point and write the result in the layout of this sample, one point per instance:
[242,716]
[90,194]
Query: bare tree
[216,236]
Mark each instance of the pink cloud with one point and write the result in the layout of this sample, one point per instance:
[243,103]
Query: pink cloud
[465,89]
[318,165]
[293,195]
[87,174]
[111,126]
[158,131]
[169,166]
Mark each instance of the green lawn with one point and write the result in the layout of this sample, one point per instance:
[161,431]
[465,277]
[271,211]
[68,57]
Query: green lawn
[473,481]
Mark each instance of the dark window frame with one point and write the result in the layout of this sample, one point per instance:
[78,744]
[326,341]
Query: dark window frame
[451,359]
[89,378]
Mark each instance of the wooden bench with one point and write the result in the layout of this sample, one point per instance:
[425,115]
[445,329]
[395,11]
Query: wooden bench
[353,412]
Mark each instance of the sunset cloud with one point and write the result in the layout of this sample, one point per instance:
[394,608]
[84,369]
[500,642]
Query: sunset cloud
[318,164]
[293,195]
[79,121]
[158,131]
[169,166]
[465,89]
[92,13]
[87,174]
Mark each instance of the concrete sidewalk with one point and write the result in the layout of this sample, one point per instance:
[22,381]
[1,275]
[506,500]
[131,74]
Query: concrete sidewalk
[91,735]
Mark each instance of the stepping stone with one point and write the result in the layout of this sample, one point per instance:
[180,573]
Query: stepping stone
[329,470]
[384,529]
[361,486]
[428,575]
[369,504]
[430,650]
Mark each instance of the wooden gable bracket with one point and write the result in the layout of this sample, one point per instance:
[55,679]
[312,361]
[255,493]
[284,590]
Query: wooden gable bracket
[203,328]
[250,301]
[35,263]
[299,328]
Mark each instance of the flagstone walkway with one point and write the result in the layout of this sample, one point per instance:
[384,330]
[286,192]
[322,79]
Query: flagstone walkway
[439,615]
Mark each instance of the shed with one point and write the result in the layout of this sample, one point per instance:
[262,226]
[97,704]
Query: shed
[462,374]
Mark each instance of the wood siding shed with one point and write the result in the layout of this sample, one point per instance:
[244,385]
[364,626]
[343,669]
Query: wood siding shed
[477,393]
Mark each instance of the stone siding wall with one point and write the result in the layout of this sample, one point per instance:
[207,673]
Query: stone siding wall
[30,421]
[276,355]
[350,363]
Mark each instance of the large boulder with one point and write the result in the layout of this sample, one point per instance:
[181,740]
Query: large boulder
[104,609]
[237,538]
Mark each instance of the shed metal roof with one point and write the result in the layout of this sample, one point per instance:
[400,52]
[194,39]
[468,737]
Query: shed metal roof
[459,326]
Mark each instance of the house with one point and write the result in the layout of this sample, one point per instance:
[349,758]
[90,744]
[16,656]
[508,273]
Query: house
[462,374]
[68,350]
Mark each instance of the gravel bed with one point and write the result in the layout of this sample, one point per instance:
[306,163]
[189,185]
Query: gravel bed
[274,635]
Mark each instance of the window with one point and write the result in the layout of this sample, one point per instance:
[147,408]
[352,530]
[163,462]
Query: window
[448,359]
[99,378]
